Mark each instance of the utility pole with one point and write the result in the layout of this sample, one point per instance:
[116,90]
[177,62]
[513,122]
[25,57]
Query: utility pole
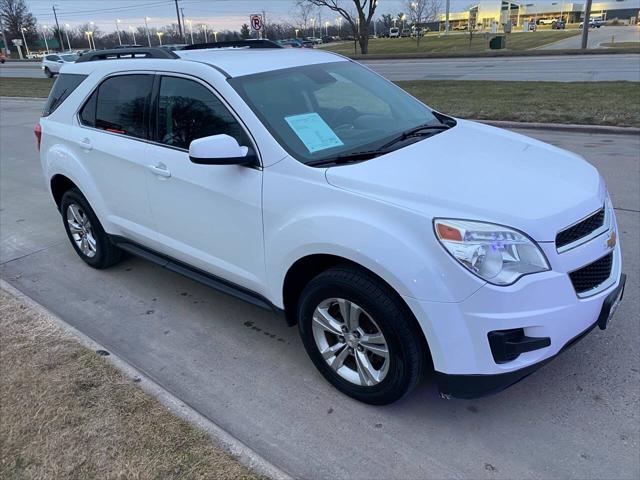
[446,17]
[585,24]
[55,15]
[182,35]
[264,24]
[147,28]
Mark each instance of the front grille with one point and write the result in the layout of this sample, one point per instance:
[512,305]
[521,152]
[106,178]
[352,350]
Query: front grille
[580,229]
[592,275]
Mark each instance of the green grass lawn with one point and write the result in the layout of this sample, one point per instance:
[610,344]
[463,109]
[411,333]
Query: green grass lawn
[454,43]
[587,103]
[25,87]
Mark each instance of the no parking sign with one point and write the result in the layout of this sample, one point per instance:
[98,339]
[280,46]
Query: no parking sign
[256,22]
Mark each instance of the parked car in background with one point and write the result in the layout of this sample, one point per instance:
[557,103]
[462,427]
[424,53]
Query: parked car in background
[327,39]
[291,43]
[559,25]
[394,32]
[546,21]
[51,64]
[315,40]
[308,44]
[593,23]
[406,33]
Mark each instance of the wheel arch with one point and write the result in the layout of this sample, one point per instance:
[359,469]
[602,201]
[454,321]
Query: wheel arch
[306,268]
[59,184]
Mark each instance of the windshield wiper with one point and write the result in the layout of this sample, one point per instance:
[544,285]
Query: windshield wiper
[414,132]
[349,157]
[384,149]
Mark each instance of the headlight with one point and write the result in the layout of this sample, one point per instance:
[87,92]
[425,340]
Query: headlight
[497,254]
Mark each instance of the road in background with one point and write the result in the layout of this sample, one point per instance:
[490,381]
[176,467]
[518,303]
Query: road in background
[243,368]
[562,68]
[598,36]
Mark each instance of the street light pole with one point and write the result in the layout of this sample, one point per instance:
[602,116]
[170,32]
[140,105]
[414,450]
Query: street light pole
[66,32]
[206,38]
[446,17]
[118,30]
[190,22]
[585,25]
[24,39]
[160,37]
[147,28]
[46,44]
[133,34]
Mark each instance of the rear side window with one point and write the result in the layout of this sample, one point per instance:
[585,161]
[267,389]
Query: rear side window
[120,105]
[62,88]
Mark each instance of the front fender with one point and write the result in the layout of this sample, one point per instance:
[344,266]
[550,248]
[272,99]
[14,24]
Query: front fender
[314,217]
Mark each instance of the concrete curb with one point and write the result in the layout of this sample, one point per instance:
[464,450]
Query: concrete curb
[228,442]
[562,127]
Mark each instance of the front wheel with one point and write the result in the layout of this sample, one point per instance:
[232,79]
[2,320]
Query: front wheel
[360,336]
[48,72]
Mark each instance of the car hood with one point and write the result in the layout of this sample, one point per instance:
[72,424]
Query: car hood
[478,172]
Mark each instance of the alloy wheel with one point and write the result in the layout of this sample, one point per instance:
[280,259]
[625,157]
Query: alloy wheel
[81,230]
[350,341]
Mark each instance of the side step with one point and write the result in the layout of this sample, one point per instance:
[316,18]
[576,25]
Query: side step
[195,274]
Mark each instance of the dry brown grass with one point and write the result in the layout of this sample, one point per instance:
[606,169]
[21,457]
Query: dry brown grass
[67,413]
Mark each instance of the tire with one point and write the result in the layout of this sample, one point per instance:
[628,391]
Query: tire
[47,72]
[85,232]
[378,309]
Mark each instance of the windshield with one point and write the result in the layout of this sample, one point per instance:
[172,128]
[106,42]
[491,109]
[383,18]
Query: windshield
[326,110]
[69,58]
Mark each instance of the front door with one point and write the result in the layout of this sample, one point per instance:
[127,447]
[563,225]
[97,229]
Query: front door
[209,216]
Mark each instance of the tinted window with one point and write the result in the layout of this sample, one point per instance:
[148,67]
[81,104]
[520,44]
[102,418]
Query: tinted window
[52,58]
[120,105]
[187,110]
[88,113]
[62,88]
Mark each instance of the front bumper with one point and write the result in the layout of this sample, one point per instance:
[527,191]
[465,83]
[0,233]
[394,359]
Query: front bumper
[543,309]
[473,386]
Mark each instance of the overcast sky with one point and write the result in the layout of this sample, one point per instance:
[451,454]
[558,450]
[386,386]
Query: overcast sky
[219,14]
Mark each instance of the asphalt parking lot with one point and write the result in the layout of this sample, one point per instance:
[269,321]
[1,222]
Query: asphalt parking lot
[578,417]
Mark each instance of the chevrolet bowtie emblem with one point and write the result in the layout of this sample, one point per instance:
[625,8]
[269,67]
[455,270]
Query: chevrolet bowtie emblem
[611,242]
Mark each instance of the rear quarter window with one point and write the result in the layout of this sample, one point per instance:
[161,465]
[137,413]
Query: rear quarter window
[64,85]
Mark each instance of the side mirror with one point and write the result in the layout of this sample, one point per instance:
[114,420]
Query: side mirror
[220,150]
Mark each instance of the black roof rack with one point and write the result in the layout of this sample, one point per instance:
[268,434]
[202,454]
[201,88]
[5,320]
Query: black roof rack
[255,43]
[134,52]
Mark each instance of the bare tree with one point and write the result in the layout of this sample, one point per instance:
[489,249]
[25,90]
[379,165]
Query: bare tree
[360,20]
[15,16]
[305,11]
[421,12]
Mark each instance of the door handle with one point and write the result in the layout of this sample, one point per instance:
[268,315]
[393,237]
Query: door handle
[160,169]
[85,143]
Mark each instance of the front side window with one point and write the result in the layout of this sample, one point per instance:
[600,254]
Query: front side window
[119,105]
[187,110]
[323,111]
[53,58]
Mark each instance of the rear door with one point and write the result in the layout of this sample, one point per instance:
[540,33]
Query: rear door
[209,216]
[111,137]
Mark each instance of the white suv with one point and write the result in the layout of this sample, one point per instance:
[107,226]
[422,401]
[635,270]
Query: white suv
[394,236]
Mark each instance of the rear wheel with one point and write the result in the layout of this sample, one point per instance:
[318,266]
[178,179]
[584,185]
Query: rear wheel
[87,236]
[360,336]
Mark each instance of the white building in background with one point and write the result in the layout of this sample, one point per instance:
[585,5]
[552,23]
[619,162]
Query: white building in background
[496,12]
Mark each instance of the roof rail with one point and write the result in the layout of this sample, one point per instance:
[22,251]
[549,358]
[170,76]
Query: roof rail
[134,52]
[255,43]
